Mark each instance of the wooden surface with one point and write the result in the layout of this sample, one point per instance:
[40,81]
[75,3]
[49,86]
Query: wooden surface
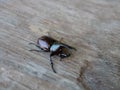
[92,26]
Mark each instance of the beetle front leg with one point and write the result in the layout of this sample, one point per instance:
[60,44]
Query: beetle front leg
[36,46]
[35,50]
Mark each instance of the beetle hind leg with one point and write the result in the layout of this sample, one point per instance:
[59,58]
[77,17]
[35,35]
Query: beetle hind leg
[70,47]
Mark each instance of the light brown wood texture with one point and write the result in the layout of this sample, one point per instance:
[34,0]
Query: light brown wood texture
[92,26]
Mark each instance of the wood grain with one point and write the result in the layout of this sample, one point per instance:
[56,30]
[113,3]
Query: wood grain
[92,26]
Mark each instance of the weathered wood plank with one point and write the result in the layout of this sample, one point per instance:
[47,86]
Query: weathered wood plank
[92,26]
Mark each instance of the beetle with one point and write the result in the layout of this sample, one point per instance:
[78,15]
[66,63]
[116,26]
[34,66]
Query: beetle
[55,47]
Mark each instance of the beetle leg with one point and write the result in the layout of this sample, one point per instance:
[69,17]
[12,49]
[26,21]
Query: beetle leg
[60,55]
[35,50]
[52,64]
[67,46]
[36,45]
[63,56]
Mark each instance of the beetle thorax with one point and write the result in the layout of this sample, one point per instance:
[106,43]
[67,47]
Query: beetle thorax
[54,47]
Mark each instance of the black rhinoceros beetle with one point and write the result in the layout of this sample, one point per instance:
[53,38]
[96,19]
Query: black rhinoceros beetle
[55,47]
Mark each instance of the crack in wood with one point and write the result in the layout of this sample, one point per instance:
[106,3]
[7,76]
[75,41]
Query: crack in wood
[82,71]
